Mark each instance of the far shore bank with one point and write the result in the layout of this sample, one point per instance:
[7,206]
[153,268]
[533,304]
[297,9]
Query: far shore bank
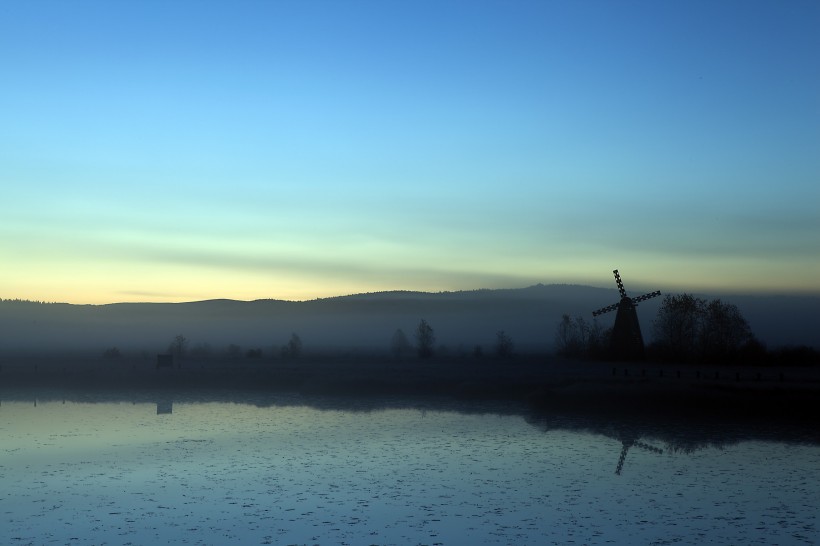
[547,383]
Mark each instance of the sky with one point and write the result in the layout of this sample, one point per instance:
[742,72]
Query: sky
[182,151]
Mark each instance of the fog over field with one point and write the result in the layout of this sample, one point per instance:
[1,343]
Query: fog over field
[461,320]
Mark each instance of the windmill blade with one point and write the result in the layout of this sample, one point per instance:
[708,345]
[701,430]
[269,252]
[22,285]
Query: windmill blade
[646,296]
[626,444]
[621,288]
[648,447]
[624,450]
[606,309]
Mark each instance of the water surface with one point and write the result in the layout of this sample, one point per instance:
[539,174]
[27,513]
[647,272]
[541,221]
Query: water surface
[324,471]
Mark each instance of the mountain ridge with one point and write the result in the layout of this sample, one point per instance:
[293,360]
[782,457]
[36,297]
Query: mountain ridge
[461,319]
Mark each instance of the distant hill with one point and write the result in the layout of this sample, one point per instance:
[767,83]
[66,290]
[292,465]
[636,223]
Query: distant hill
[461,320]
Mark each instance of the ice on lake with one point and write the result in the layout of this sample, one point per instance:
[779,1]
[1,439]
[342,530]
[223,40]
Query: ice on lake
[308,471]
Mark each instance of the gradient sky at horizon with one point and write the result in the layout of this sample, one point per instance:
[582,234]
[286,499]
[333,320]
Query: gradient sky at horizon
[178,151]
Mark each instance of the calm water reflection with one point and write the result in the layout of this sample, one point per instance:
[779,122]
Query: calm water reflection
[332,471]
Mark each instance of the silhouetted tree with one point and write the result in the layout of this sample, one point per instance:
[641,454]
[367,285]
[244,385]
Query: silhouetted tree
[503,345]
[724,331]
[575,337]
[399,344]
[254,353]
[234,350]
[677,326]
[689,328]
[597,341]
[567,340]
[425,338]
[178,347]
[572,336]
[112,352]
[294,347]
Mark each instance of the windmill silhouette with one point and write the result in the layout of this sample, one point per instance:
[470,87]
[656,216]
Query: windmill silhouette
[627,341]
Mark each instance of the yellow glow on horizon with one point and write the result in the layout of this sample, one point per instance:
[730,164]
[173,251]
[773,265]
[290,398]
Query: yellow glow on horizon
[140,283]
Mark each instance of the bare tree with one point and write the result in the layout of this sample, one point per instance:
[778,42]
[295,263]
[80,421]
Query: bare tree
[566,337]
[503,345]
[575,337]
[425,338]
[294,347]
[178,347]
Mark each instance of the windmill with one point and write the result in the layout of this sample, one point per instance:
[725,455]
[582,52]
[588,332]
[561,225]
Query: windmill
[627,341]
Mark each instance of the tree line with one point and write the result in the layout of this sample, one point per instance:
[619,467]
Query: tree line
[685,329]
[425,339]
[400,346]
[180,349]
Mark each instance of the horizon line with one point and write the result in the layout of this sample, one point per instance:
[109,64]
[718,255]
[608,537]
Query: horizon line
[717,292]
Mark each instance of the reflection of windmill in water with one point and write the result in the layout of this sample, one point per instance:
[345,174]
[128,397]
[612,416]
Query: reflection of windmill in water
[625,449]
[627,341]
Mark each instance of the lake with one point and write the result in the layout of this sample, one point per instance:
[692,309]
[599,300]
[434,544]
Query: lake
[189,468]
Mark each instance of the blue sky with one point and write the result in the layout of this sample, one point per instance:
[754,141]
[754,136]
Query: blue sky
[177,151]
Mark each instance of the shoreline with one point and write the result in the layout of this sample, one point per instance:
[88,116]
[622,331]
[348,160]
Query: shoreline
[551,384]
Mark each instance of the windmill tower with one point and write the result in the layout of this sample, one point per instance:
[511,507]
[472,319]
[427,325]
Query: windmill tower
[627,341]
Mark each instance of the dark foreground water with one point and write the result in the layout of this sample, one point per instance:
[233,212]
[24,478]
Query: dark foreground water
[176,469]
